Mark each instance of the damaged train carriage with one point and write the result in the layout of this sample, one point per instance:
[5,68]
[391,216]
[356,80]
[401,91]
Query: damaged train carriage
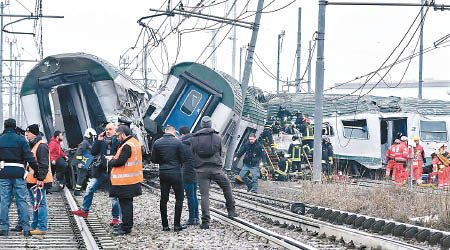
[191,91]
[73,92]
[362,129]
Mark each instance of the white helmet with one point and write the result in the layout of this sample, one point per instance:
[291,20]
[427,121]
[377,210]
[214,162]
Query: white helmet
[403,138]
[89,133]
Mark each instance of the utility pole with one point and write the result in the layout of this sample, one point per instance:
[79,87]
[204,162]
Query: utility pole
[299,45]
[10,81]
[16,86]
[2,6]
[233,55]
[318,96]
[244,84]
[240,64]
[20,101]
[145,68]
[309,67]
[421,52]
[278,60]
[213,48]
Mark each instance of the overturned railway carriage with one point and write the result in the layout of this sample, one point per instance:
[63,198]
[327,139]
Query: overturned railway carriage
[362,129]
[73,92]
[191,91]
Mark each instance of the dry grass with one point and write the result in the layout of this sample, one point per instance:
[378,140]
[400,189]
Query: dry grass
[399,204]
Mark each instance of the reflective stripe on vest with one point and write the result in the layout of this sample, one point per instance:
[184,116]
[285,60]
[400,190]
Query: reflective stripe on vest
[309,133]
[131,172]
[296,153]
[30,175]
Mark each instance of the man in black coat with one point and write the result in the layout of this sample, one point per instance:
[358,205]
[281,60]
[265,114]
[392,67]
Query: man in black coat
[105,145]
[15,153]
[168,153]
[207,148]
[189,177]
[254,157]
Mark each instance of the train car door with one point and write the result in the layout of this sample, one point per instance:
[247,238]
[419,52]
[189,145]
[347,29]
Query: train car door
[188,107]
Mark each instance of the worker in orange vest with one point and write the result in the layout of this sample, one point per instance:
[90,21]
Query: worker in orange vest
[390,159]
[441,166]
[38,182]
[126,176]
[418,158]
[401,162]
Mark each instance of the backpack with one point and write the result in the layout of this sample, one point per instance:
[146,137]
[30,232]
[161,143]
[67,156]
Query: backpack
[204,147]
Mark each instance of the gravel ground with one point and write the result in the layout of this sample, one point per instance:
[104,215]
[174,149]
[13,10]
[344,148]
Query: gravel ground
[147,232]
[388,202]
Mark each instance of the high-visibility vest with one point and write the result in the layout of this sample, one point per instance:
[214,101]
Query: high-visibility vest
[30,175]
[402,153]
[296,154]
[131,172]
[309,133]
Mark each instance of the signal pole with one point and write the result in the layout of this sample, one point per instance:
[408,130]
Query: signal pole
[309,67]
[421,52]
[233,55]
[2,6]
[299,45]
[318,96]
[10,81]
[278,60]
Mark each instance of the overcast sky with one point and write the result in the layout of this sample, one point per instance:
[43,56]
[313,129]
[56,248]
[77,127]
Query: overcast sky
[357,39]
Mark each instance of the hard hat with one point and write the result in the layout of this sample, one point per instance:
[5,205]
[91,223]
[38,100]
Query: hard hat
[397,141]
[403,138]
[416,138]
[306,119]
[89,133]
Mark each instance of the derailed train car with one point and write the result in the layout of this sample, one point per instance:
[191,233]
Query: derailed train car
[73,92]
[191,91]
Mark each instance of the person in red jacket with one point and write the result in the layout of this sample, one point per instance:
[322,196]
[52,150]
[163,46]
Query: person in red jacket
[417,161]
[401,161]
[58,157]
[390,159]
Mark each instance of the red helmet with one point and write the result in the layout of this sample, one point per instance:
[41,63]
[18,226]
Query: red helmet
[306,119]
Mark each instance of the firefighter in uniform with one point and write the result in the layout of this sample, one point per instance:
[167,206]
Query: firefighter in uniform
[390,159]
[441,165]
[126,176]
[327,156]
[281,172]
[295,152]
[418,158]
[306,130]
[266,135]
[40,181]
[401,162]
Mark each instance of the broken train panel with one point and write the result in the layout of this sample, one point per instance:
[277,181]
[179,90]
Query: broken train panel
[73,92]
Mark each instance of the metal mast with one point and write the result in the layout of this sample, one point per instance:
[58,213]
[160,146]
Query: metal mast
[318,112]
[421,52]
[244,85]
[299,45]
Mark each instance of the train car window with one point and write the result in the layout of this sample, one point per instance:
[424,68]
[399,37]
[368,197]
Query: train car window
[191,102]
[433,131]
[356,129]
[327,129]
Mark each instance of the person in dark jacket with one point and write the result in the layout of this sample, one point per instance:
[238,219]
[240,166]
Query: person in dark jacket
[189,177]
[84,148]
[168,152]
[254,157]
[126,176]
[327,156]
[15,153]
[208,166]
[105,145]
[39,179]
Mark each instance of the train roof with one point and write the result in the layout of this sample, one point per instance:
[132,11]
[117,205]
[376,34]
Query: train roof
[98,68]
[350,104]
[252,111]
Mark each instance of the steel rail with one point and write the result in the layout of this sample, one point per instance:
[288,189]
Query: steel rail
[310,206]
[306,223]
[273,237]
[89,240]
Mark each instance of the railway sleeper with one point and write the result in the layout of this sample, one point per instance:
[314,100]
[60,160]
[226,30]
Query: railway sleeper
[359,222]
[377,227]
[334,216]
[318,213]
[387,228]
[435,238]
[399,230]
[368,223]
[312,210]
[350,219]
[341,218]
[423,235]
[326,214]
[445,242]
[410,233]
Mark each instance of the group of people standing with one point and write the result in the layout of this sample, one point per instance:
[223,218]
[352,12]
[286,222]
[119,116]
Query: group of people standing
[185,162]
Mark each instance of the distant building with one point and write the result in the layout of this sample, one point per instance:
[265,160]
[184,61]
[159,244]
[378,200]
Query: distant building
[432,89]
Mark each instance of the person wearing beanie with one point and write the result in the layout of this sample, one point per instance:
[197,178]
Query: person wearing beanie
[39,178]
[206,147]
[15,152]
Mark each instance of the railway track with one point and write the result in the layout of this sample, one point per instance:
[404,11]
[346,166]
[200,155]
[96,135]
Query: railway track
[272,237]
[360,229]
[65,231]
